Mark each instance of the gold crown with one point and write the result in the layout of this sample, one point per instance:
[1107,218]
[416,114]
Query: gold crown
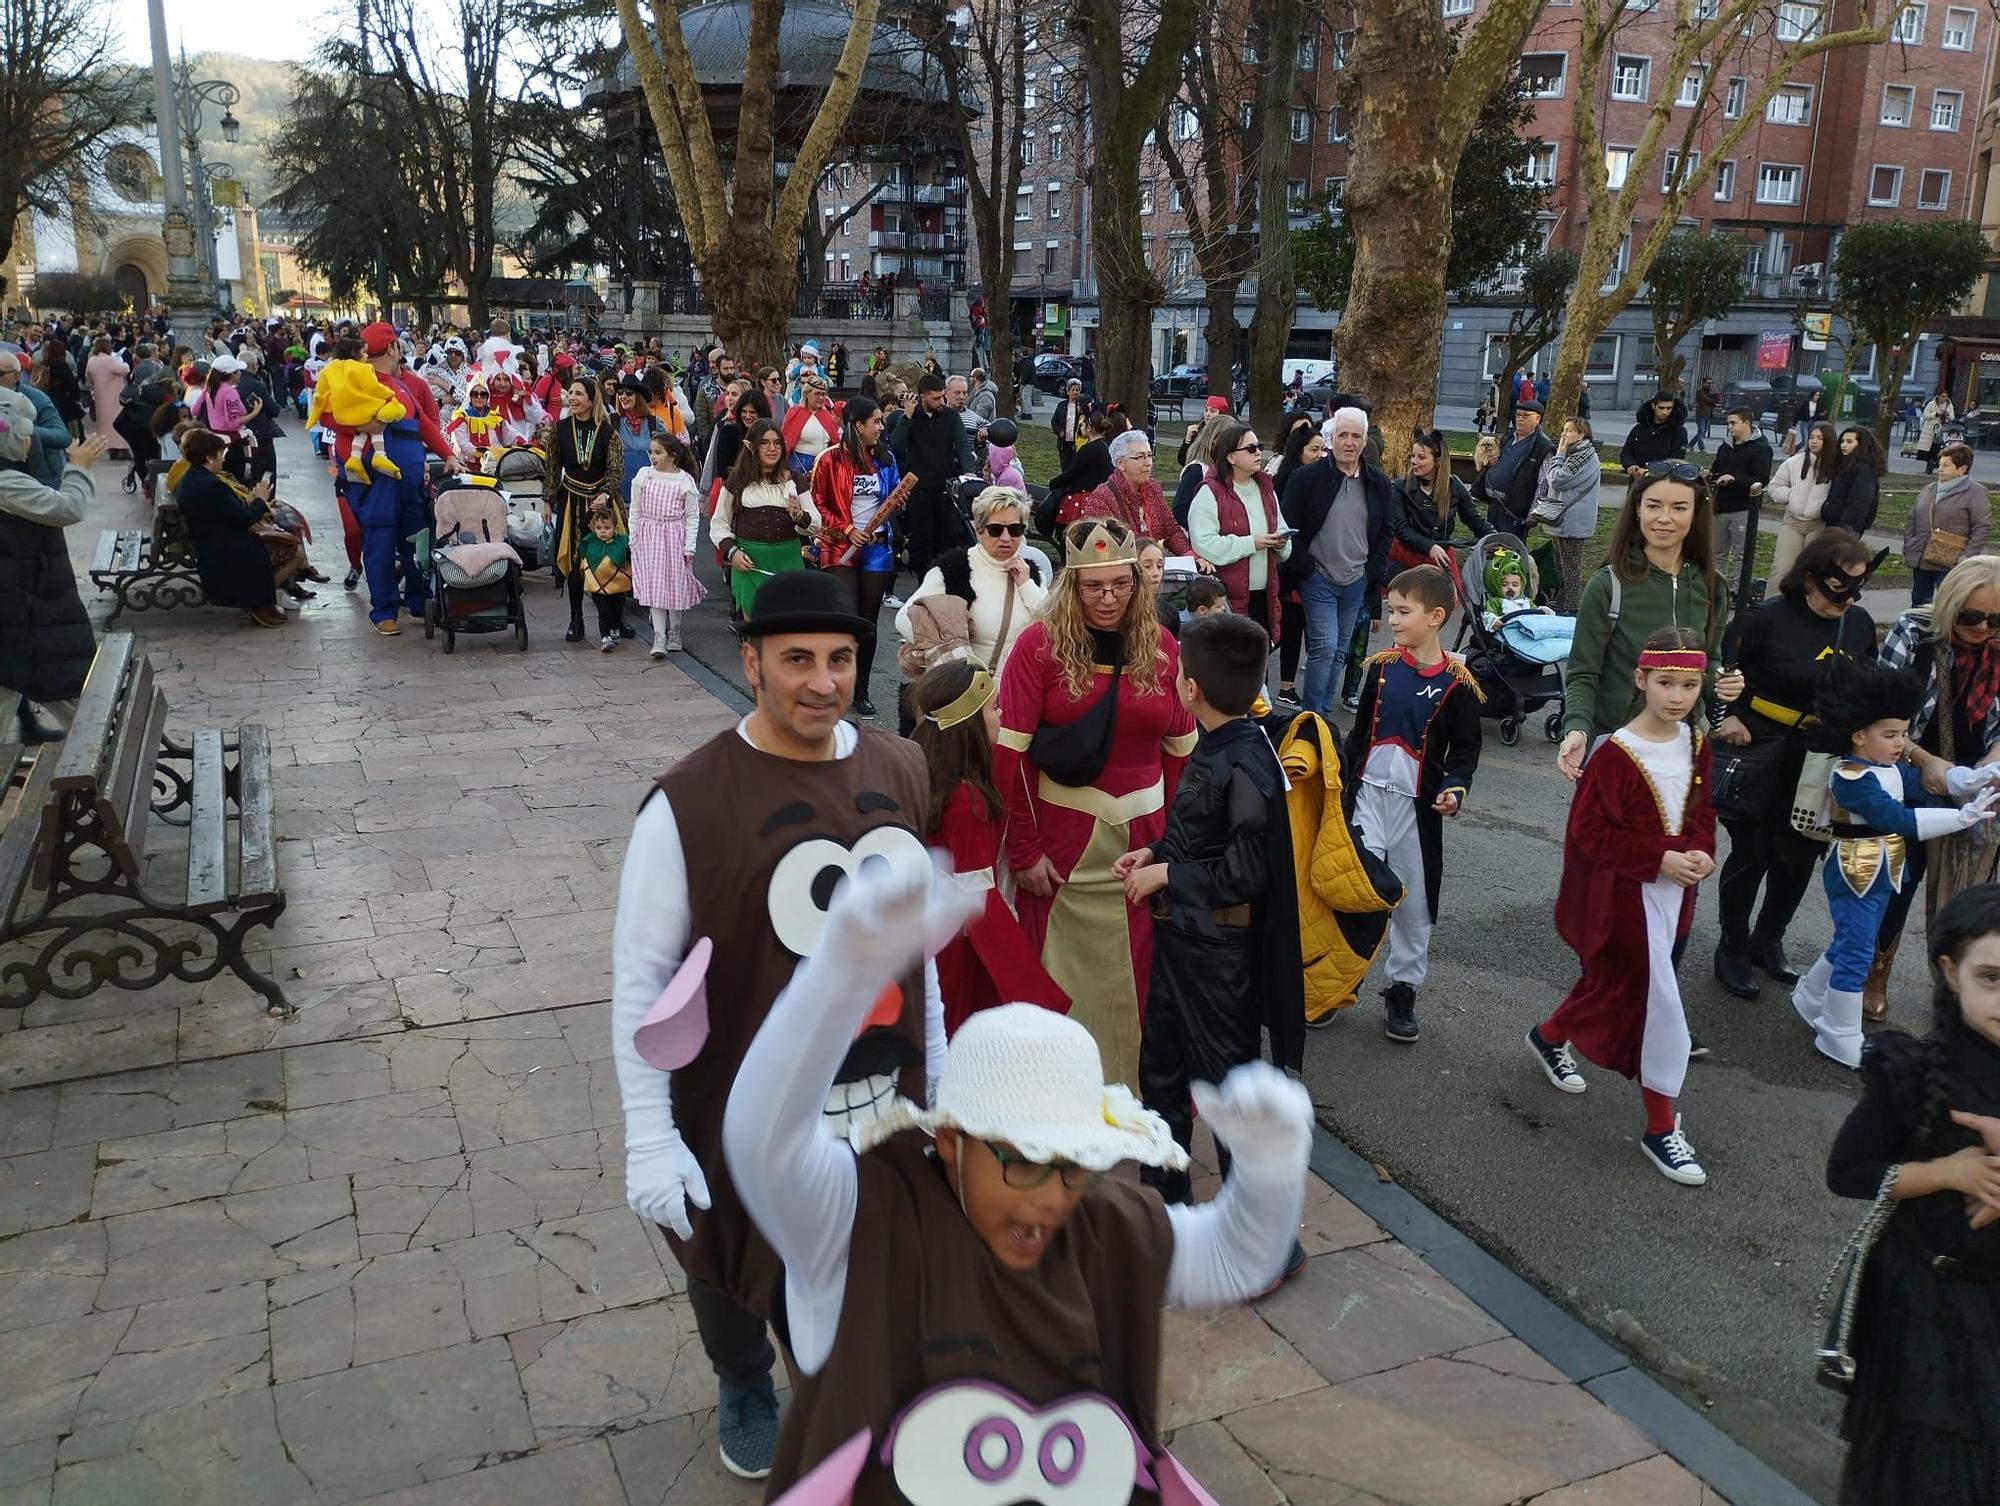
[1100,541]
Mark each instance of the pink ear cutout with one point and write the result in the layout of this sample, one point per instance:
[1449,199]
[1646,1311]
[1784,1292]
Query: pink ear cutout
[1178,1487]
[676,1026]
[832,1483]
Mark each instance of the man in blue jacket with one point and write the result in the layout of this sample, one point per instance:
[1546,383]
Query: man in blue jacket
[1339,506]
[46,462]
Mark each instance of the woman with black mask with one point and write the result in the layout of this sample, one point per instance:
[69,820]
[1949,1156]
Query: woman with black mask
[1780,650]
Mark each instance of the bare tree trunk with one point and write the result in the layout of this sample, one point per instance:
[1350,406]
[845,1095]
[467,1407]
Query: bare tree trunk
[1220,328]
[1281,22]
[1411,119]
[751,305]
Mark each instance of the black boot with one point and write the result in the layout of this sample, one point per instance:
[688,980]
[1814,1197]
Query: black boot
[1732,971]
[37,726]
[575,633]
[1767,955]
[1400,1000]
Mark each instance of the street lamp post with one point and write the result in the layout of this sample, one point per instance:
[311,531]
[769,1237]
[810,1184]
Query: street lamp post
[178,98]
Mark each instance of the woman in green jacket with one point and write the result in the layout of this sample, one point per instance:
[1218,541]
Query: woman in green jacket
[1659,572]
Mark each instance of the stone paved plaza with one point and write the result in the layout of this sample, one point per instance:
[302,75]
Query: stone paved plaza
[379,1251]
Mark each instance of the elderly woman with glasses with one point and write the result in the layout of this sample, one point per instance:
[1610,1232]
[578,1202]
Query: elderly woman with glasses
[1092,739]
[1132,496]
[984,576]
[1235,522]
[1952,647]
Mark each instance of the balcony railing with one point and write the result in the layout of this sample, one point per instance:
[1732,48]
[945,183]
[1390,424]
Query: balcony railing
[915,240]
[951,191]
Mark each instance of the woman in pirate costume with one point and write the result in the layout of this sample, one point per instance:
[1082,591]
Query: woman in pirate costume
[1092,739]
[584,463]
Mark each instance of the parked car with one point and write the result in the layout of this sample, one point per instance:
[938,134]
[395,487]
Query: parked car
[1053,373]
[1182,381]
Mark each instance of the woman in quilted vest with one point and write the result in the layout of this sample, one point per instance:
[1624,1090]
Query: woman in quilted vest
[1235,525]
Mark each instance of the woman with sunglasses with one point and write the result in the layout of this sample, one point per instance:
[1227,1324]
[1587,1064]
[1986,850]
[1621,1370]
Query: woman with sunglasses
[983,575]
[1782,648]
[1235,523]
[1953,647]
[1659,571]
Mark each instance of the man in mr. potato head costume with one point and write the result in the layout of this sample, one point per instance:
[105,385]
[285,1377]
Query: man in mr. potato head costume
[733,861]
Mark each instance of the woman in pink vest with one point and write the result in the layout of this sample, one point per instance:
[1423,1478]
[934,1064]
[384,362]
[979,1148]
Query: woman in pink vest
[1235,525]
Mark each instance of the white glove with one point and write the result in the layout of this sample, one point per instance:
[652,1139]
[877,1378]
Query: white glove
[1962,782]
[1933,822]
[887,919]
[661,1182]
[1264,1118]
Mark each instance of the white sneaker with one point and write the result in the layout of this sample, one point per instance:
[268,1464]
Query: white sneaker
[674,641]
[893,602]
[658,652]
[608,643]
[1673,1157]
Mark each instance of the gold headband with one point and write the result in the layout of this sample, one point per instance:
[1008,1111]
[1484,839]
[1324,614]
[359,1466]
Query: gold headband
[971,701]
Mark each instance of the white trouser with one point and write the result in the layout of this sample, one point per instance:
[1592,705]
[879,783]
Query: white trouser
[1388,824]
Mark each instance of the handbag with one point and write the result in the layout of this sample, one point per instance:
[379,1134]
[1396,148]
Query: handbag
[1833,1362]
[1942,550]
[1740,783]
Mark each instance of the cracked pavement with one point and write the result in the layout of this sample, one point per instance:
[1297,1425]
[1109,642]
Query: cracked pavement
[379,1251]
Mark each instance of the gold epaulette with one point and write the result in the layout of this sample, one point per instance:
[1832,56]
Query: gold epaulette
[1465,677]
[1382,658]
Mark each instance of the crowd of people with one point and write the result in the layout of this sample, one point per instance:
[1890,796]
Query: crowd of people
[905,1112]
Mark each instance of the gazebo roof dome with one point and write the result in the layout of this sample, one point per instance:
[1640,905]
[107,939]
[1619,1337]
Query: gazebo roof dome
[811,35]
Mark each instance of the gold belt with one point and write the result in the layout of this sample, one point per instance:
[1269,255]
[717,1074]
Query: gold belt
[1112,810]
[1771,711]
[1862,860]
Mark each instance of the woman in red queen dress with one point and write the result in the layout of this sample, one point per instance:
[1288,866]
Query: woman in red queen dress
[1092,739]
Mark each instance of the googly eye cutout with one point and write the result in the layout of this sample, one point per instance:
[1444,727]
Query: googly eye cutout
[806,879]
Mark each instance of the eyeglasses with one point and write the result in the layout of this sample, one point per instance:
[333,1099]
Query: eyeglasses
[1105,588]
[1974,619]
[1677,470]
[1023,1175]
[1005,530]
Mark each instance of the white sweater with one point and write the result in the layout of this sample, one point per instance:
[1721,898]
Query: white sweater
[1802,501]
[989,596]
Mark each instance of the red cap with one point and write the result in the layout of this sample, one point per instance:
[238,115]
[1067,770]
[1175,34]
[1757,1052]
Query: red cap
[378,339]
[1218,405]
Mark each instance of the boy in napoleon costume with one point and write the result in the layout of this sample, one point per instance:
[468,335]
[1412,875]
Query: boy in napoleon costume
[778,809]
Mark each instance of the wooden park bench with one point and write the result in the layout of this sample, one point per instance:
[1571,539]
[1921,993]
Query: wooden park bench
[76,907]
[148,570]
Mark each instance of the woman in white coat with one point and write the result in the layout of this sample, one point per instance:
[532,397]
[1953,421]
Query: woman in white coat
[1800,487]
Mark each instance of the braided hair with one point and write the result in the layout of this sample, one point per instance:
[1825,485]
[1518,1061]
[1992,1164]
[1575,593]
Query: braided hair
[1965,918]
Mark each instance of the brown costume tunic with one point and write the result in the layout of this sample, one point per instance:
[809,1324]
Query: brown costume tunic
[766,839]
[929,1313]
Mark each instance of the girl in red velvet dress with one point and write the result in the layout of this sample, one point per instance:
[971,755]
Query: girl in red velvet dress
[991,961]
[1091,743]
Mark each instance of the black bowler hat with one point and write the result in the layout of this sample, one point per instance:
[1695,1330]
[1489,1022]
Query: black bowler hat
[803,601]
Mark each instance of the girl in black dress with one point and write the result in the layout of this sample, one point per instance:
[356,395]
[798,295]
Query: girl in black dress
[1920,1420]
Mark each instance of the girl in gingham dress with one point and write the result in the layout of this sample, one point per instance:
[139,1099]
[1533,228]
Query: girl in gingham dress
[666,526]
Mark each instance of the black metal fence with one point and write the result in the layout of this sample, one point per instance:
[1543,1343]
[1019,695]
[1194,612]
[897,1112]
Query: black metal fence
[835,301]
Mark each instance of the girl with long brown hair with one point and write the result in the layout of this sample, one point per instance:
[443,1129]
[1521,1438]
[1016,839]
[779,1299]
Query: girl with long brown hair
[758,515]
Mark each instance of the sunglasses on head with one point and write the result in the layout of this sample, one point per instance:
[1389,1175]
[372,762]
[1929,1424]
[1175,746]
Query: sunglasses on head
[1970,619]
[1678,470]
[1005,530]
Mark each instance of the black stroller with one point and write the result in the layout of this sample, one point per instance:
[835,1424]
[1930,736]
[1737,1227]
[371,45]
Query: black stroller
[1516,657]
[475,574]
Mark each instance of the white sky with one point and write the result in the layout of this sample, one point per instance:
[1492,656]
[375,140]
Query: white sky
[286,30]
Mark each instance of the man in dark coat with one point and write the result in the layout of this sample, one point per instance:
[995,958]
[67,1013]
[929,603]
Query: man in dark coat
[1660,433]
[1741,471]
[1508,486]
[46,642]
[935,447]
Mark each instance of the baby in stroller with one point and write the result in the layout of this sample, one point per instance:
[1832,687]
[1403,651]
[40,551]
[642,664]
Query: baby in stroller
[1519,648]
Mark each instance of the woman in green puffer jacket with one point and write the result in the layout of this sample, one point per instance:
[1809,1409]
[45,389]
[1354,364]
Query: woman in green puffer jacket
[1659,572]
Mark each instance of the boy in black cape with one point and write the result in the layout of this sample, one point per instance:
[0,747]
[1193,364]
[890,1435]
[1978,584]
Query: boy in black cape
[1226,961]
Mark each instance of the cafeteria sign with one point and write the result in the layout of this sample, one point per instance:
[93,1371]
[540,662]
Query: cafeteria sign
[1774,349]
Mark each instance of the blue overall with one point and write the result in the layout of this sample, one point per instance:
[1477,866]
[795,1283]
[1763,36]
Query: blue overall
[1857,918]
[390,511]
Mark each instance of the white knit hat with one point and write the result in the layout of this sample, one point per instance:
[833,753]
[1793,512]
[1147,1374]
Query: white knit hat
[1033,1079]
